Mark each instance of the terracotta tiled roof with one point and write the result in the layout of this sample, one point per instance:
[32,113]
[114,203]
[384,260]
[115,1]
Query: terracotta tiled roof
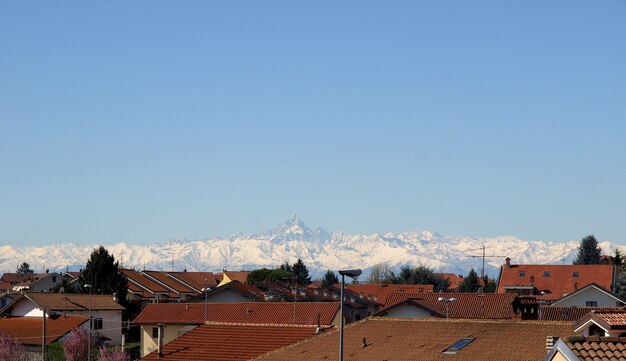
[28,330]
[29,279]
[144,283]
[596,348]
[613,318]
[239,287]
[425,339]
[300,313]
[67,301]
[556,280]
[241,276]
[231,342]
[378,292]
[467,305]
[161,277]
[556,313]
[5,286]
[197,280]
[454,279]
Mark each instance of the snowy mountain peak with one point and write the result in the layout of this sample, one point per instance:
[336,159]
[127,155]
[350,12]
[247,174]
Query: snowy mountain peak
[294,229]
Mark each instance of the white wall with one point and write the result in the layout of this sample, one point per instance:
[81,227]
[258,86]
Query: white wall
[590,294]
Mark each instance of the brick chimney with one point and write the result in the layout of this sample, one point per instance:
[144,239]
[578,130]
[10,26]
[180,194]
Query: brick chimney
[508,262]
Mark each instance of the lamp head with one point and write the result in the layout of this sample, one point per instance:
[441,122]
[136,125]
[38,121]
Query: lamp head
[352,273]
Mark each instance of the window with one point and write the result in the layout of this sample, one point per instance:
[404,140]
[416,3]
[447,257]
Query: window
[591,304]
[522,273]
[54,278]
[575,274]
[96,324]
[155,332]
[546,273]
[457,346]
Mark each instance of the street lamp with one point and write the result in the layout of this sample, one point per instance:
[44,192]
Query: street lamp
[541,302]
[89,311]
[354,274]
[206,291]
[447,301]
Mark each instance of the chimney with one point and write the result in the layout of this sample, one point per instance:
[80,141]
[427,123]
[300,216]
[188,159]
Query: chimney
[508,262]
[550,341]
[364,344]
[160,340]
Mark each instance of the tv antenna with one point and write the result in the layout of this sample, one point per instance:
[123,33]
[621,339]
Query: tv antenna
[483,256]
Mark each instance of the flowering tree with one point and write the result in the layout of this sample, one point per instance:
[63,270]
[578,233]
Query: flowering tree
[113,355]
[10,348]
[75,346]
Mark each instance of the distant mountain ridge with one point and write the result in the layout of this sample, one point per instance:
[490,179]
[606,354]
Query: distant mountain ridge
[318,249]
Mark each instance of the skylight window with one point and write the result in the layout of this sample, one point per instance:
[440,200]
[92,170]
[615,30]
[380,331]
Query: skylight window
[575,274]
[522,273]
[457,346]
[546,273]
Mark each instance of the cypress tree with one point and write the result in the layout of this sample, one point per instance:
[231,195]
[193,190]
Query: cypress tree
[588,251]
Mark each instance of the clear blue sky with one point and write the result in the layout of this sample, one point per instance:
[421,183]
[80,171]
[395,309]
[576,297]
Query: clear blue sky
[142,121]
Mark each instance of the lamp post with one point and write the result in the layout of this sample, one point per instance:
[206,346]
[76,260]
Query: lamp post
[354,274]
[206,302]
[541,303]
[447,301]
[89,333]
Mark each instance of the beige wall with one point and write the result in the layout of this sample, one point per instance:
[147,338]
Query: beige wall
[590,294]
[149,344]
[558,357]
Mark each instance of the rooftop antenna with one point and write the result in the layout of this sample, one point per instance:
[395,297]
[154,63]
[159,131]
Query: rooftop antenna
[482,272]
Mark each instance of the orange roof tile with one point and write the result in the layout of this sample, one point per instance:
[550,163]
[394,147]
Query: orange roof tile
[425,339]
[68,301]
[454,279]
[230,342]
[556,280]
[379,292]
[556,313]
[241,276]
[300,313]
[168,282]
[596,348]
[28,330]
[198,280]
[467,305]
[145,283]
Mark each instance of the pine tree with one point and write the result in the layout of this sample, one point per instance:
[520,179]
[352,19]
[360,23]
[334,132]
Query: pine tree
[301,272]
[617,260]
[471,283]
[24,269]
[588,251]
[102,273]
[330,278]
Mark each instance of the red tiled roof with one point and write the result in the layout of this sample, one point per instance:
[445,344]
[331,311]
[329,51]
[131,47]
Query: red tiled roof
[5,286]
[299,313]
[424,339]
[198,280]
[67,301]
[561,280]
[214,342]
[467,305]
[28,330]
[596,348]
[556,313]
[241,276]
[455,280]
[144,283]
[169,282]
[379,292]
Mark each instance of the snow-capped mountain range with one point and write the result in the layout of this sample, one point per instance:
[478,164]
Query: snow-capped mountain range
[319,250]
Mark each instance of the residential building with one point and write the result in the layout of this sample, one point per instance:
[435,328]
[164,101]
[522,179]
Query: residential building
[592,295]
[179,318]
[30,282]
[378,293]
[29,330]
[105,312]
[593,348]
[232,342]
[552,282]
[428,339]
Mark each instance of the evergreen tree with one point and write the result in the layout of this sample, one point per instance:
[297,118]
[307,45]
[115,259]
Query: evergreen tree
[588,251]
[102,273]
[286,267]
[617,260]
[24,269]
[301,272]
[330,278]
[471,283]
[620,286]
[269,275]
[489,285]
[420,275]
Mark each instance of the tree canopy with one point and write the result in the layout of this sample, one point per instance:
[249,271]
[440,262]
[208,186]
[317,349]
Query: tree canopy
[420,275]
[380,273]
[102,273]
[269,275]
[470,283]
[24,269]
[330,278]
[588,251]
[301,272]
